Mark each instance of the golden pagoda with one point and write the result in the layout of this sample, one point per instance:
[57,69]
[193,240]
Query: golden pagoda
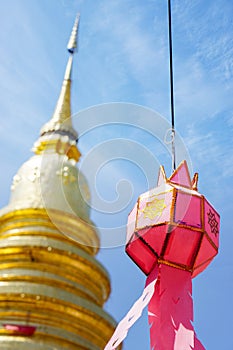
[52,289]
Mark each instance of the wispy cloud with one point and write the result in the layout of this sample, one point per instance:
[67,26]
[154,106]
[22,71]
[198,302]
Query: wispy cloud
[207,32]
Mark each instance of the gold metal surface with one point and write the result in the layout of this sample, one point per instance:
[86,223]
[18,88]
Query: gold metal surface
[41,342]
[61,119]
[50,221]
[72,44]
[51,335]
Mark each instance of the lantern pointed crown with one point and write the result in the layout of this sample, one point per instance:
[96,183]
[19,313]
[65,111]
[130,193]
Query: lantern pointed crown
[180,177]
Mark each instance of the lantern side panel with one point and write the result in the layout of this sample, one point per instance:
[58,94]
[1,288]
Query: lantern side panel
[155,209]
[201,268]
[206,252]
[212,223]
[131,223]
[188,209]
[182,246]
[141,254]
[155,237]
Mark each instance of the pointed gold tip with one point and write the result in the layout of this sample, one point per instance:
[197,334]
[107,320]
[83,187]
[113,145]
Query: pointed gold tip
[72,44]
[61,119]
[195,181]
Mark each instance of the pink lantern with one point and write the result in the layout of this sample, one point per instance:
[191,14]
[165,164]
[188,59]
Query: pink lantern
[172,235]
[174,225]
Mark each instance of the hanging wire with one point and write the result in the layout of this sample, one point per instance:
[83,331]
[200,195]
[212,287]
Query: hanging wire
[171,87]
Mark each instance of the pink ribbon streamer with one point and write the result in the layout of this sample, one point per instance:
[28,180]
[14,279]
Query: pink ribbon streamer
[168,292]
[132,316]
[170,312]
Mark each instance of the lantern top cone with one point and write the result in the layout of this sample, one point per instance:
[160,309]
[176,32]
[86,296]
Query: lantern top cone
[173,224]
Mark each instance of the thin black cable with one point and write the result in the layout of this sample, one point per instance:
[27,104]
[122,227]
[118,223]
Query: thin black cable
[171,86]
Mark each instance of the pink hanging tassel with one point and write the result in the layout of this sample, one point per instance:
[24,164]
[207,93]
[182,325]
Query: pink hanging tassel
[170,311]
[133,315]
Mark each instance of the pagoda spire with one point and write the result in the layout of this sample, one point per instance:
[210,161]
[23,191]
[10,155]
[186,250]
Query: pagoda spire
[61,120]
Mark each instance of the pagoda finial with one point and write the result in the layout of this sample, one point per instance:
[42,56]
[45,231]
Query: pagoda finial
[72,44]
[61,119]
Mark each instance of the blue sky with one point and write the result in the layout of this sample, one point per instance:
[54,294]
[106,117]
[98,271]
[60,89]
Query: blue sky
[123,57]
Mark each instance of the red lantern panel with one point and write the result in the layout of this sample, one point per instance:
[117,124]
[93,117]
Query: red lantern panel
[141,254]
[182,246]
[206,251]
[155,237]
[201,268]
